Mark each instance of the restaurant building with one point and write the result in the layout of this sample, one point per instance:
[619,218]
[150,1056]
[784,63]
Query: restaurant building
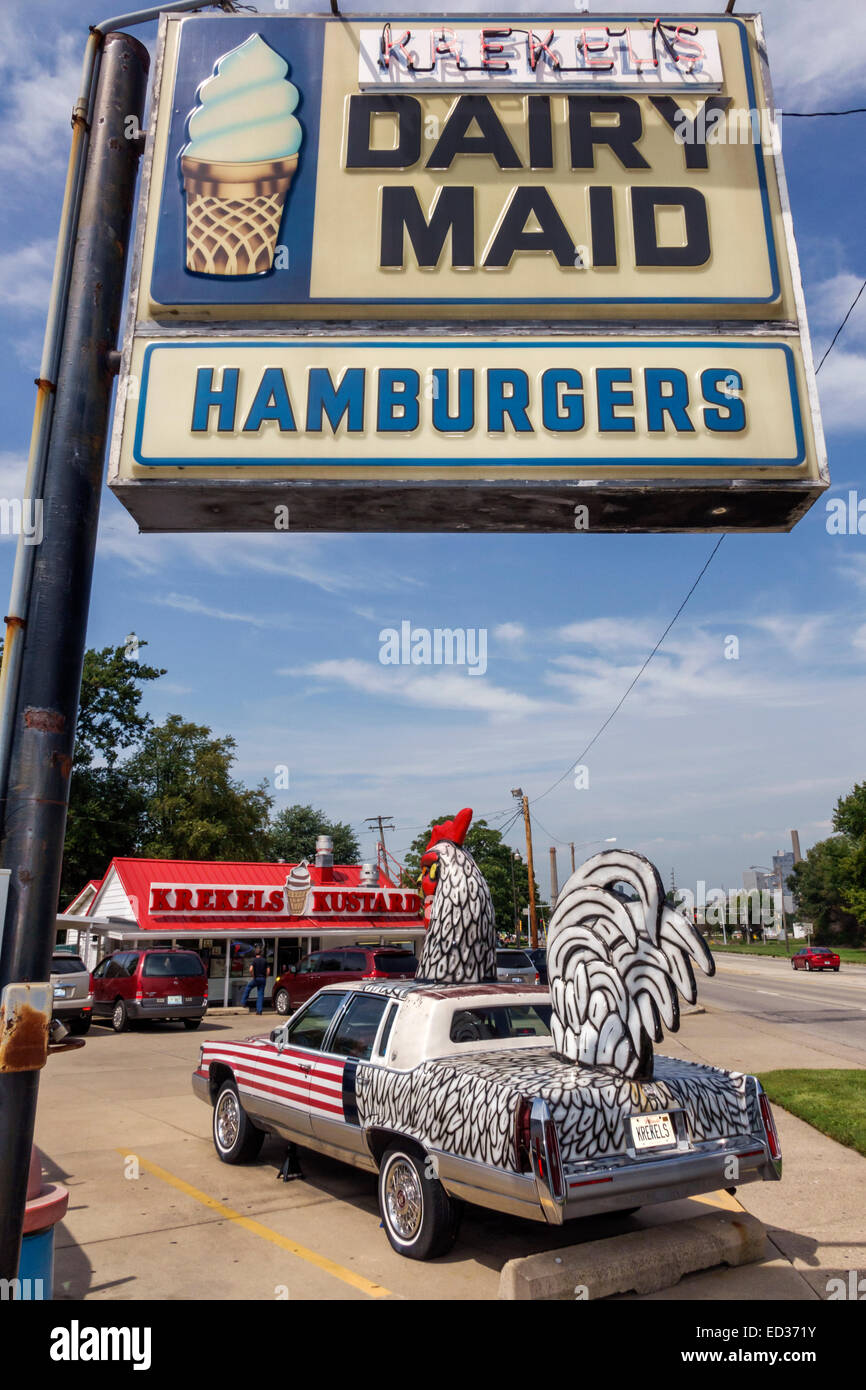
[224,909]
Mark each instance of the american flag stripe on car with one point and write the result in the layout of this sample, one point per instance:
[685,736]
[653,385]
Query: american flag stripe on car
[260,1070]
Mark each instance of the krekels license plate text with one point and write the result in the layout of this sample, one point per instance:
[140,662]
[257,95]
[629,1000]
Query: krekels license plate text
[652,1131]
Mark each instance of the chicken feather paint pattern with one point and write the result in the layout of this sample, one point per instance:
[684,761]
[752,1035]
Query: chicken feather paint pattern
[466,1106]
[460,945]
[616,967]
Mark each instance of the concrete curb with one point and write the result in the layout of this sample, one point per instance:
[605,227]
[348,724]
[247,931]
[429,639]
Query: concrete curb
[644,1261]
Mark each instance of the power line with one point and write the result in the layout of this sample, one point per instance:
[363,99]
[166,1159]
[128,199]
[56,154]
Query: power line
[841,326]
[634,682]
[812,115]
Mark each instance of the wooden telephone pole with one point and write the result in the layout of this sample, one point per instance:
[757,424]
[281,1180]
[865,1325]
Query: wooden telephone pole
[517,793]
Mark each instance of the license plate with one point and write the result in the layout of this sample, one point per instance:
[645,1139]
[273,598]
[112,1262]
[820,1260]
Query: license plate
[652,1131]
[59,992]
[517,979]
[175,999]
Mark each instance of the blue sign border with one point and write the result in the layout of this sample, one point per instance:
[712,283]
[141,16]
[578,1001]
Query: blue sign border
[473,345]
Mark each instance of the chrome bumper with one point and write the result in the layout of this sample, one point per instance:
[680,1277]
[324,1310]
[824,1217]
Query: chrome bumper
[201,1087]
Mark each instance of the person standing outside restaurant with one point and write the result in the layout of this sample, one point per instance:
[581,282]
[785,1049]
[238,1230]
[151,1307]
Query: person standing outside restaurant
[259,972]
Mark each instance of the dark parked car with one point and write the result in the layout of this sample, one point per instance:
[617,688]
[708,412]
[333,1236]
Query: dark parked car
[815,958]
[150,984]
[337,967]
[72,1000]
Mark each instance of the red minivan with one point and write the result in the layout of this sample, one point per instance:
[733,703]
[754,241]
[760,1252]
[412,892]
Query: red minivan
[150,983]
[334,967]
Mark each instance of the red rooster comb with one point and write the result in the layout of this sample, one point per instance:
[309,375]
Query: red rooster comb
[453,830]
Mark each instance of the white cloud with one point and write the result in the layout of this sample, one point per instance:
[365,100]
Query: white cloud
[439,689]
[511,633]
[184,603]
[842,390]
[25,276]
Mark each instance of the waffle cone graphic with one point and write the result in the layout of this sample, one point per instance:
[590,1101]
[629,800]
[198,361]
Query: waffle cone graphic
[233,213]
[297,900]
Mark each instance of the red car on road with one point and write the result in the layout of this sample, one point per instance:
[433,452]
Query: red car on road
[815,958]
[337,967]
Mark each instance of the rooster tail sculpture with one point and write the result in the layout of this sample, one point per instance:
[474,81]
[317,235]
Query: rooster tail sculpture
[615,966]
[460,945]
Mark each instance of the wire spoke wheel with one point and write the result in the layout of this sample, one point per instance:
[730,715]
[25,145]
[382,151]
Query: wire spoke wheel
[227,1119]
[404,1200]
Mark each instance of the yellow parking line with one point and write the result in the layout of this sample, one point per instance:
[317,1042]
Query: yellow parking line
[357,1281]
[719,1199]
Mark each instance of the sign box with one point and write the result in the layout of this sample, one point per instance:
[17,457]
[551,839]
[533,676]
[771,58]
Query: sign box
[334,211]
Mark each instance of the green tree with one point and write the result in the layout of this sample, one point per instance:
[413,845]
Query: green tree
[494,858]
[193,807]
[850,819]
[105,803]
[822,884]
[293,832]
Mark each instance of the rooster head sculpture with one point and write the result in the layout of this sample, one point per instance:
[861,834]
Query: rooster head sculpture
[460,945]
[616,965]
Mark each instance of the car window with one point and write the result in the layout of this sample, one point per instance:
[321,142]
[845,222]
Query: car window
[114,968]
[386,1031]
[513,960]
[172,963]
[66,965]
[395,962]
[131,962]
[353,960]
[311,1025]
[101,969]
[330,963]
[357,1029]
[511,1021]
[308,964]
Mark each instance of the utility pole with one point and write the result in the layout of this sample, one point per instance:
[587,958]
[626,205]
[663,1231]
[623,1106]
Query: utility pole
[43,714]
[378,820]
[554,879]
[514,897]
[517,793]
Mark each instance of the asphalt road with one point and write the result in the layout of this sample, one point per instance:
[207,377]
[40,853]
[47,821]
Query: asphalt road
[827,1007]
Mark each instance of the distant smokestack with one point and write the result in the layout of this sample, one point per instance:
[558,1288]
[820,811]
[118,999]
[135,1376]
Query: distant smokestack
[554,878]
[795,845]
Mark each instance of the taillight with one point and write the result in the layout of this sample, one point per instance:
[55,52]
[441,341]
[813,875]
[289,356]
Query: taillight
[770,1128]
[537,978]
[376,975]
[555,1177]
[521,1136]
[138,996]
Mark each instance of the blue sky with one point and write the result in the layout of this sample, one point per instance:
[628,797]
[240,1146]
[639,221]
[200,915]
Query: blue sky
[275,639]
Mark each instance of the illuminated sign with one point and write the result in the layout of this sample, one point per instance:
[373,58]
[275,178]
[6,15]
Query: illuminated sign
[486,274]
[424,407]
[457,57]
[270,903]
[363,190]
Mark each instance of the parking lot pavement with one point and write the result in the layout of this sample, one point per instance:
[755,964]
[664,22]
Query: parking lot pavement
[154,1215]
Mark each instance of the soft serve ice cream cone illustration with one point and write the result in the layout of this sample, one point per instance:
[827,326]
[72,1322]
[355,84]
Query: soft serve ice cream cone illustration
[240,161]
[298,885]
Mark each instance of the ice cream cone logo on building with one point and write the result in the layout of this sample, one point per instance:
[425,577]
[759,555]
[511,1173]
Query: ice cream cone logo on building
[298,886]
[239,162]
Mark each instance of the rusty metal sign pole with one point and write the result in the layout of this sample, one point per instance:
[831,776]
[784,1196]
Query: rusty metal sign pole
[46,709]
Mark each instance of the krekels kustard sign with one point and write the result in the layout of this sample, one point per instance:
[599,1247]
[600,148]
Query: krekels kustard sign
[331,211]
